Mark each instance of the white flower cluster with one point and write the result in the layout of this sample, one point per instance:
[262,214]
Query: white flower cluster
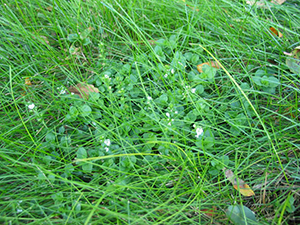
[199,131]
[107,143]
[62,90]
[169,118]
[107,77]
[170,115]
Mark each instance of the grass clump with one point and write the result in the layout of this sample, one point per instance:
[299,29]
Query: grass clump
[148,144]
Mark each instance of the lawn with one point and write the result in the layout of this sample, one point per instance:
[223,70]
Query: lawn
[149,112]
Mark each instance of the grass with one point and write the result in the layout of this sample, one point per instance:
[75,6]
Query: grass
[150,147]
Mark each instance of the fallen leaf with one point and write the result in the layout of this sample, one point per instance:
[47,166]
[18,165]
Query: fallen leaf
[262,3]
[49,8]
[238,184]
[254,2]
[209,212]
[293,63]
[83,90]
[278,2]
[211,63]
[274,32]
[27,81]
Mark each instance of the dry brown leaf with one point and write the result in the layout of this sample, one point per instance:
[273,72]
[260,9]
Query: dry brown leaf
[254,2]
[209,212]
[238,184]
[275,32]
[211,63]
[279,2]
[262,3]
[49,8]
[83,90]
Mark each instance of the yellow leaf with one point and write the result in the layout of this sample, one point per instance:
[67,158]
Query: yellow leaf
[211,63]
[238,184]
[83,90]
[27,81]
[275,32]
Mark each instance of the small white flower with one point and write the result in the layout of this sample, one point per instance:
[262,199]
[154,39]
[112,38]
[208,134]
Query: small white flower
[19,210]
[166,75]
[199,131]
[106,149]
[193,90]
[62,90]
[72,93]
[149,98]
[168,114]
[172,71]
[107,142]
[94,123]
[31,106]
[106,76]
[169,123]
[176,112]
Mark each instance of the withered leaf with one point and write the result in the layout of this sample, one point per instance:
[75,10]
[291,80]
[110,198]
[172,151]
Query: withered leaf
[27,81]
[83,90]
[211,63]
[293,62]
[238,184]
[276,32]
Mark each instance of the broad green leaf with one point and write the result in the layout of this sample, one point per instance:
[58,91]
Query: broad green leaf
[290,204]
[81,153]
[73,112]
[199,89]
[85,110]
[257,80]
[293,63]
[50,137]
[241,215]
[273,82]
[72,37]
[87,167]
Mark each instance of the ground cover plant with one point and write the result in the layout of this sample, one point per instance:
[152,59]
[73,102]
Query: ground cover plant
[149,112]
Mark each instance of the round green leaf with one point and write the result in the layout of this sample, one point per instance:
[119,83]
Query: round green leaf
[240,215]
[85,110]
